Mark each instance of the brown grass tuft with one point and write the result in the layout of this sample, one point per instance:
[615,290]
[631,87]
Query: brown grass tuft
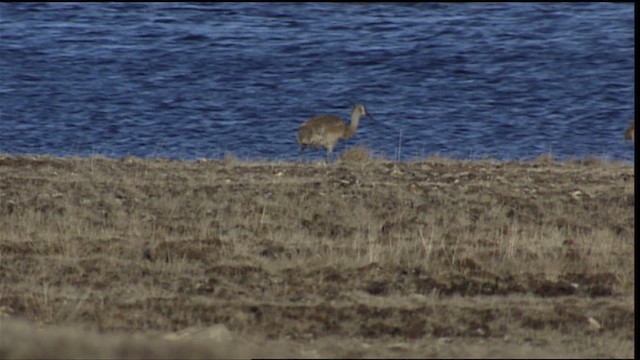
[546,158]
[230,158]
[356,155]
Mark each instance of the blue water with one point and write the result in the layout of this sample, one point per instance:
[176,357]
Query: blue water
[188,80]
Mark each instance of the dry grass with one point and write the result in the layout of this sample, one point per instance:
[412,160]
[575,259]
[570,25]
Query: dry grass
[534,258]
[546,158]
[356,155]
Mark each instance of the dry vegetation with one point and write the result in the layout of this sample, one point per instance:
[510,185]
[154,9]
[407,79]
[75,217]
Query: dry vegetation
[360,258]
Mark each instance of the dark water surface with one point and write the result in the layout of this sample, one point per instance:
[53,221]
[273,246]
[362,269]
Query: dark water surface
[188,80]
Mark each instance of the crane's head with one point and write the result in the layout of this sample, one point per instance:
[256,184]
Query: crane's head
[360,109]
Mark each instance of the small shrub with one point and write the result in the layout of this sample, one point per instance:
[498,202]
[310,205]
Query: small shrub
[356,155]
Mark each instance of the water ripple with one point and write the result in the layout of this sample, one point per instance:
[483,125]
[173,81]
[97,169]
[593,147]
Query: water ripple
[509,80]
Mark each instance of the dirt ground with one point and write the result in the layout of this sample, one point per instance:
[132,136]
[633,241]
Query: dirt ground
[363,257]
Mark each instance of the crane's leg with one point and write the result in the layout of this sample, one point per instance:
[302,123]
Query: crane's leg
[302,153]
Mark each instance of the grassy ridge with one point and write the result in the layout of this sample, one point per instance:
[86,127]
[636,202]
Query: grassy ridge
[521,255]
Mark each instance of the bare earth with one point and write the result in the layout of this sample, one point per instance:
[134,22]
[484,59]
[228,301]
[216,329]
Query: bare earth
[153,258]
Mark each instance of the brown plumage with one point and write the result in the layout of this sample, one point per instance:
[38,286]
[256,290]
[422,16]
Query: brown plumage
[629,133]
[324,131]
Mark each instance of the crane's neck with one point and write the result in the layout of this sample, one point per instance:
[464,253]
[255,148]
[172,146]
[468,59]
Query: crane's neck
[355,120]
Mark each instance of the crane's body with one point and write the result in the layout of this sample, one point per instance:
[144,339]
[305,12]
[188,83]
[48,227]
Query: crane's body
[324,131]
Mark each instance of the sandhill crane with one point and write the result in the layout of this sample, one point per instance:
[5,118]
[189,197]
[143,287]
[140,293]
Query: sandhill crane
[323,131]
[629,133]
